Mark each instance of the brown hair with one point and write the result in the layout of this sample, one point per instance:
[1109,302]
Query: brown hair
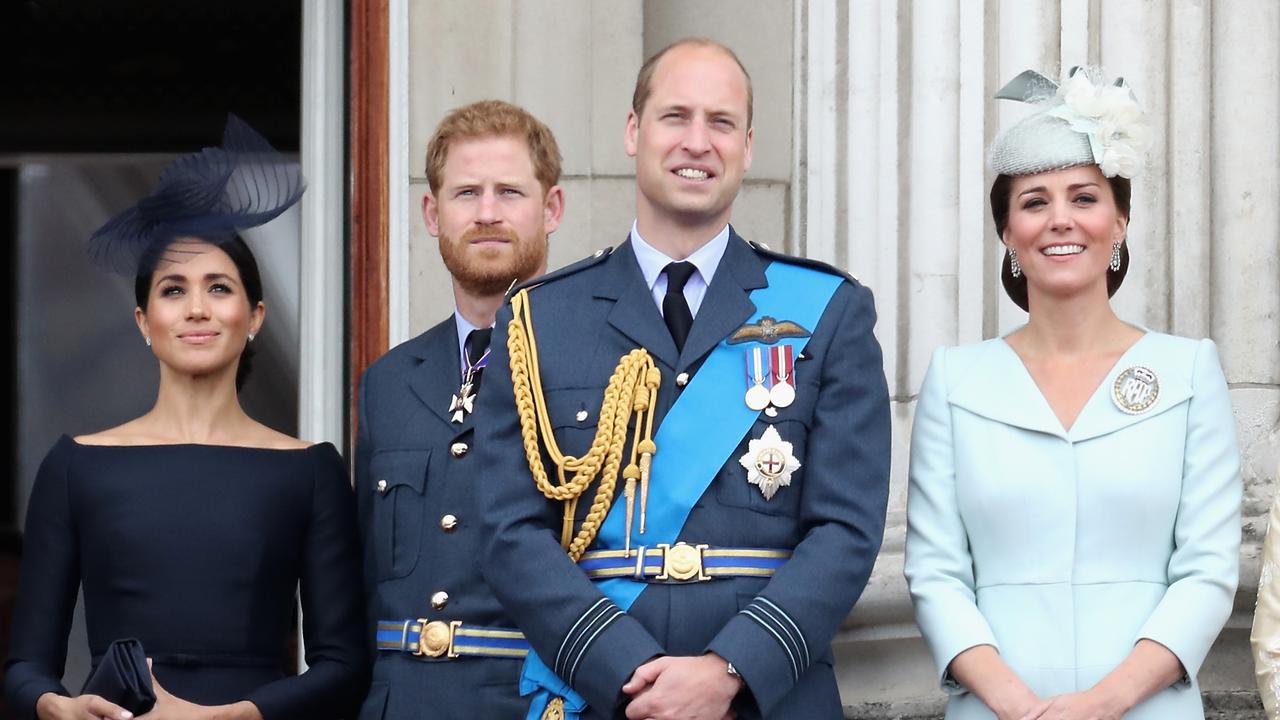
[644,80]
[494,118]
[1016,287]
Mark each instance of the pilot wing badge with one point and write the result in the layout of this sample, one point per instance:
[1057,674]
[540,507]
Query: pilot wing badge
[768,331]
[769,463]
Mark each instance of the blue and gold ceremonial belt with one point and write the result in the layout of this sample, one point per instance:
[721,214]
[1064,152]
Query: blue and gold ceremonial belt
[440,639]
[682,563]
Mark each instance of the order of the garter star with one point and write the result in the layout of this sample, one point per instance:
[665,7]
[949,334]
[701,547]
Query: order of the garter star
[769,462]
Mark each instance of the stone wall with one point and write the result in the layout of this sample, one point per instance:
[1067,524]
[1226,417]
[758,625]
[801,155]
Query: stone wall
[573,64]
[898,114]
[871,121]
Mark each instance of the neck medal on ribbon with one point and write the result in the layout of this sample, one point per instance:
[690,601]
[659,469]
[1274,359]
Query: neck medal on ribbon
[464,401]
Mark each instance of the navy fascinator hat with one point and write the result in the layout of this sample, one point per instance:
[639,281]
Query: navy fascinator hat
[211,195]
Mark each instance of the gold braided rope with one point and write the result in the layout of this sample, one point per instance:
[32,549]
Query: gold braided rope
[634,380]
[632,390]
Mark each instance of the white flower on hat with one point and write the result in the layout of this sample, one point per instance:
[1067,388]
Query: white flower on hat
[1110,117]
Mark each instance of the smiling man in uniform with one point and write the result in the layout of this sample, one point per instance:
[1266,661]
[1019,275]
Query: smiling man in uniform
[688,441]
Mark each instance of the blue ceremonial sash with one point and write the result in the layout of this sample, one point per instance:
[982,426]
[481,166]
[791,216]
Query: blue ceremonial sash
[703,427]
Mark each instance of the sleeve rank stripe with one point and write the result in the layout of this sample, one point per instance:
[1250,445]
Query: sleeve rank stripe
[574,670]
[783,614]
[564,643]
[795,667]
[783,631]
[587,635]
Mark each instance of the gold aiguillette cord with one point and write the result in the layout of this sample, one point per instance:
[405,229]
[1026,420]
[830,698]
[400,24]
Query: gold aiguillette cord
[632,391]
[635,379]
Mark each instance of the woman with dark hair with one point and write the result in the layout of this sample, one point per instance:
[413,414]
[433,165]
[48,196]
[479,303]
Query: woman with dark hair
[193,528]
[1074,500]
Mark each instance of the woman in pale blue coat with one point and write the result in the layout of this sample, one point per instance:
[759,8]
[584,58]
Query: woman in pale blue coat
[1073,514]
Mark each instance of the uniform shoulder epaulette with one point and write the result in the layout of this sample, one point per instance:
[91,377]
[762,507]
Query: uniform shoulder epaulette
[593,259]
[763,249]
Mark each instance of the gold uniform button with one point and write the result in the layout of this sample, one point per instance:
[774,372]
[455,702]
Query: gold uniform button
[382,486]
[459,449]
[682,379]
[448,523]
[439,600]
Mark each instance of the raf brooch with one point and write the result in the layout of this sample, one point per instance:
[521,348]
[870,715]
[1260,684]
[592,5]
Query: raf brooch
[769,463]
[1136,390]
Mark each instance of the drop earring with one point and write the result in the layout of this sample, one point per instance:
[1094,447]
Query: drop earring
[251,337]
[147,340]
[1014,268]
[1115,257]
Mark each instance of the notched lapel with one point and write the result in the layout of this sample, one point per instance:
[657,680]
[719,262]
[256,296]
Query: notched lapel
[724,309]
[1173,369]
[727,303]
[435,379]
[998,387]
[634,312]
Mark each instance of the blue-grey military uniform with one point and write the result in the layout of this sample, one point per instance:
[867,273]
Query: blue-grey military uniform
[775,631]
[415,472]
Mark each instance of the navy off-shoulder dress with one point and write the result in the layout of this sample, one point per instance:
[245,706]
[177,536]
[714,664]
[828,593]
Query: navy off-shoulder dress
[199,552]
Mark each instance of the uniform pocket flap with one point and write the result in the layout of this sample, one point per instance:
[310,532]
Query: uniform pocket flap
[393,468]
[574,407]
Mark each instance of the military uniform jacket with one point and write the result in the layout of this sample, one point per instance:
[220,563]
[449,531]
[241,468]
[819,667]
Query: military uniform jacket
[414,467]
[776,631]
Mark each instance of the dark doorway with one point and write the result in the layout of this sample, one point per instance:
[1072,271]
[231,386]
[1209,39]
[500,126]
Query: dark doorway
[154,76]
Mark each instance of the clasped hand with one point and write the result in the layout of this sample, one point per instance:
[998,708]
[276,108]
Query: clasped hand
[682,688]
[51,706]
[171,707]
[1087,705]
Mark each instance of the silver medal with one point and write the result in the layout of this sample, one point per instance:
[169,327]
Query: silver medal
[757,397]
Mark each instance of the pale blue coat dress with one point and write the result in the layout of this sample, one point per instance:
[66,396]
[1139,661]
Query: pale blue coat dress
[1063,548]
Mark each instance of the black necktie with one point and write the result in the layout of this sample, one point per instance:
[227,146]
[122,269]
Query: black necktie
[475,346]
[675,309]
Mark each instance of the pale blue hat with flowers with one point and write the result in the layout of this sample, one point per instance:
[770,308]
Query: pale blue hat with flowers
[1083,121]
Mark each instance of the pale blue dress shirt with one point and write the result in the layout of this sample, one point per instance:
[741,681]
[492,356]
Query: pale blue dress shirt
[464,329]
[653,261]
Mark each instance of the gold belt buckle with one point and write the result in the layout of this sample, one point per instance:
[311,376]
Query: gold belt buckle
[682,562]
[436,638]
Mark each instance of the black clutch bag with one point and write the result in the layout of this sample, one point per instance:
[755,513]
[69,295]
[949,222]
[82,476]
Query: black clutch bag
[122,676]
